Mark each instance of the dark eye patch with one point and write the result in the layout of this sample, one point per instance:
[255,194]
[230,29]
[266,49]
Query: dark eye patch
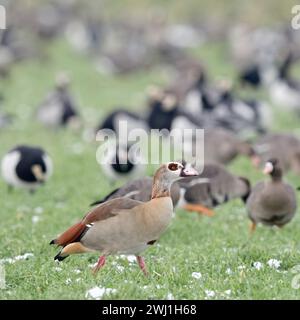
[173,166]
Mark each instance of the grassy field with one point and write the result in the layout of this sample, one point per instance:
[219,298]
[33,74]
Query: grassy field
[218,248]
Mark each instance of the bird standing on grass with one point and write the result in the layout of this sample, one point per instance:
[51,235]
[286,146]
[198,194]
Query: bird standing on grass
[59,108]
[123,225]
[213,187]
[122,162]
[26,167]
[272,203]
[198,195]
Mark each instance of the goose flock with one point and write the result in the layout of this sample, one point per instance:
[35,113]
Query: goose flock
[133,216]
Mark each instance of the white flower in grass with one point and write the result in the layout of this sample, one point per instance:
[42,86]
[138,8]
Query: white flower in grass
[274,263]
[228,292]
[258,265]
[7,260]
[170,296]
[38,210]
[78,279]
[25,256]
[68,281]
[197,275]
[93,265]
[77,271]
[58,269]
[131,258]
[120,268]
[209,293]
[98,292]
[242,267]
[228,271]
[35,219]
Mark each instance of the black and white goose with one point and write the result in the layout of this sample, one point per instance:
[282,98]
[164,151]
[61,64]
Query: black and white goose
[120,122]
[122,162]
[283,90]
[166,113]
[59,108]
[242,116]
[198,100]
[26,167]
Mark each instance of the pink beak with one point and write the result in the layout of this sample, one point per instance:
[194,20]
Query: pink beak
[268,168]
[189,172]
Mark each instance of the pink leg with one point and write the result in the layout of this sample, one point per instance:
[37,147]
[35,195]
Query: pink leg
[142,264]
[100,264]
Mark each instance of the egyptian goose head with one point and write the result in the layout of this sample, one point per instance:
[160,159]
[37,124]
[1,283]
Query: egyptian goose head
[166,175]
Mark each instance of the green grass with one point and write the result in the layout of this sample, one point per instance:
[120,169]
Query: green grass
[192,243]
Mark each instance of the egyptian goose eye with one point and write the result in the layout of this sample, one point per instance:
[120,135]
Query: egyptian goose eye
[173,166]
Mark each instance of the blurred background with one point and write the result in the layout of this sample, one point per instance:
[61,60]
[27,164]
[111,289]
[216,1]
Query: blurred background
[214,64]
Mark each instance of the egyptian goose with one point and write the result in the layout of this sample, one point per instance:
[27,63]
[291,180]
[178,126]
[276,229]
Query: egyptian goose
[213,187]
[59,109]
[123,225]
[26,167]
[139,189]
[122,162]
[285,147]
[272,202]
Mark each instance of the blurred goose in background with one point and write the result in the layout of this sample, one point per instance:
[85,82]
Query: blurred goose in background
[85,35]
[59,108]
[251,75]
[165,113]
[26,167]
[199,101]
[49,20]
[284,91]
[223,146]
[242,116]
[272,203]
[285,147]
[123,225]
[6,55]
[115,120]
[121,162]
[221,186]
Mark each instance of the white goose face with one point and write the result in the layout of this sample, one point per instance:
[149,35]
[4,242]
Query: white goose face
[269,167]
